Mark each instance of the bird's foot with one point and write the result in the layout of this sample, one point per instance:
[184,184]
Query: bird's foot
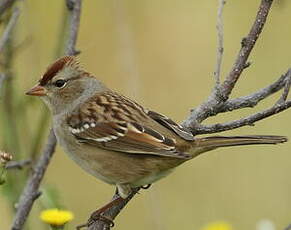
[100,216]
[97,216]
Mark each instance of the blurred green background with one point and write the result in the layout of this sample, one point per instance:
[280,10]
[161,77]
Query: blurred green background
[161,53]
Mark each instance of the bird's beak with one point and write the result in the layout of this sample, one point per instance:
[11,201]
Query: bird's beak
[37,90]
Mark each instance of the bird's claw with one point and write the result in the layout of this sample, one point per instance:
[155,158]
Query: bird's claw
[79,227]
[97,217]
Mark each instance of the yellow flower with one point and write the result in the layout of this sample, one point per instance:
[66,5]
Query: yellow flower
[56,217]
[218,226]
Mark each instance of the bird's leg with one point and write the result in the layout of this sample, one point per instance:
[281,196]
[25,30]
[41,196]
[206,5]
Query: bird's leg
[121,193]
[123,190]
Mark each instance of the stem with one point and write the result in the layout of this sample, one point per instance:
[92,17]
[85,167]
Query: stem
[30,192]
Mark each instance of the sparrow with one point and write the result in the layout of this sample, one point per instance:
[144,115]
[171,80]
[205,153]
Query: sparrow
[113,137]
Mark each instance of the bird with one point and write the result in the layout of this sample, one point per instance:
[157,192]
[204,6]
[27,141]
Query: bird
[116,139]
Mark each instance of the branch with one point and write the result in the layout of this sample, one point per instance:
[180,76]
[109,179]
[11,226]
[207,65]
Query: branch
[248,44]
[252,100]
[286,88]
[216,103]
[30,192]
[112,212]
[242,102]
[17,164]
[9,28]
[249,120]
[218,97]
[219,27]
[219,101]
[74,6]
[5,4]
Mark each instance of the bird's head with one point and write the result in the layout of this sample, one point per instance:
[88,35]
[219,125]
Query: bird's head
[64,83]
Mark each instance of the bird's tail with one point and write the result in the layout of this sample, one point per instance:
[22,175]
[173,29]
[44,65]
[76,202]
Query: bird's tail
[204,144]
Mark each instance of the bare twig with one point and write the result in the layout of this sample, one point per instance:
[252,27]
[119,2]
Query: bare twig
[249,120]
[74,6]
[30,192]
[253,99]
[216,99]
[285,93]
[219,53]
[9,28]
[17,164]
[250,101]
[4,5]
[248,44]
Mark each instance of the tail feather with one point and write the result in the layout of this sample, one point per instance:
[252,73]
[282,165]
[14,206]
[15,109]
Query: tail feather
[205,144]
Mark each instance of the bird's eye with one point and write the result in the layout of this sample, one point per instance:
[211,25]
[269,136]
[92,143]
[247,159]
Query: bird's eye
[60,83]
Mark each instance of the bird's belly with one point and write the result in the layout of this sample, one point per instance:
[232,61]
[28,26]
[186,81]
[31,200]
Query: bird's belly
[151,178]
[87,160]
[117,167]
[91,166]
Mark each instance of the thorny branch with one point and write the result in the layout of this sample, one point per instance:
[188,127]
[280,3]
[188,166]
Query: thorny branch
[31,191]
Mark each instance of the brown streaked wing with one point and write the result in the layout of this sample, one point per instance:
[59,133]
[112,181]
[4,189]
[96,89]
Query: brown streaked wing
[170,124]
[116,137]
[121,129]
